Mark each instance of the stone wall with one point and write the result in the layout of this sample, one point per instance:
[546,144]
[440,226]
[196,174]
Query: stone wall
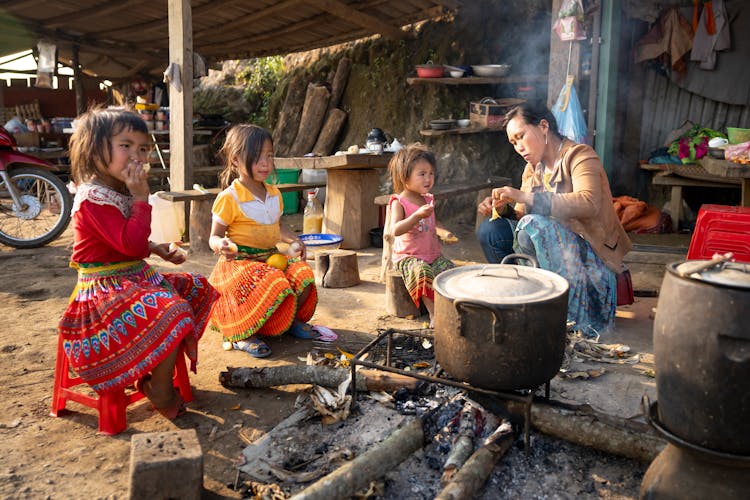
[377,94]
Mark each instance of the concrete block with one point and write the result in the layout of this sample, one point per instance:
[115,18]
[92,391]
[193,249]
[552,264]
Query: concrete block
[166,465]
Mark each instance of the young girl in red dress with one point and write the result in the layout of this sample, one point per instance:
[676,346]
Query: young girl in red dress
[125,321]
[257,299]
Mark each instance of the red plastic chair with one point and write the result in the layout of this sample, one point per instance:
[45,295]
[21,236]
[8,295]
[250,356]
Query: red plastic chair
[111,407]
[721,229]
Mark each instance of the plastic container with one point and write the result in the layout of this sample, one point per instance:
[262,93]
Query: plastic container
[291,200]
[318,176]
[167,220]
[312,221]
[318,242]
[738,135]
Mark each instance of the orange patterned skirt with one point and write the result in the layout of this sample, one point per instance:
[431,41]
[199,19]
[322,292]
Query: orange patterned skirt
[258,298]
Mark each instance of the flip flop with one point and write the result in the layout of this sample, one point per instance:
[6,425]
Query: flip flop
[303,331]
[253,346]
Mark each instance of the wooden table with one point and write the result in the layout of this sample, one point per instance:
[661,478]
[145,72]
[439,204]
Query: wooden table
[353,181]
[731,170]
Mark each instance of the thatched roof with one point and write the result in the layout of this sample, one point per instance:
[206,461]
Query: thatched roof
[118,39]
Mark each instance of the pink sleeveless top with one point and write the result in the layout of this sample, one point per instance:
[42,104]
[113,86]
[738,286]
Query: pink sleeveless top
[421,241]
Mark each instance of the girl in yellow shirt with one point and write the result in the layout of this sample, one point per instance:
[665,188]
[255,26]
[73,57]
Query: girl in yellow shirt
[257,298]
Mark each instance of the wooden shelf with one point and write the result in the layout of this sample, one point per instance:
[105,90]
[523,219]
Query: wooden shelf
[460,131]
[478,80]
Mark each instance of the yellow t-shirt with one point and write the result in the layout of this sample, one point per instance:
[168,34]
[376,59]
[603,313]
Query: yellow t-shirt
[250,221]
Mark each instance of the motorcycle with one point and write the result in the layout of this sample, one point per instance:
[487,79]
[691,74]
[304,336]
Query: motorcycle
[35,204]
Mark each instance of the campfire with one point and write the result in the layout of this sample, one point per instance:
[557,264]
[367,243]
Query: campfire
[411,431]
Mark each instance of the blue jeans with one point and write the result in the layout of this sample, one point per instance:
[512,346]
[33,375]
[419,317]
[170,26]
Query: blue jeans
[496,238]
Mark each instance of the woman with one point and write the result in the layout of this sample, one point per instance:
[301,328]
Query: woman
[565,217]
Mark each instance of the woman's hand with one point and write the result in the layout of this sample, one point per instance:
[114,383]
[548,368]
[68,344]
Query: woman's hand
[485,206]
[506,194]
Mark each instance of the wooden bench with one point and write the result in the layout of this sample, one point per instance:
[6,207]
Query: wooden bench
[198,210]
[677,182]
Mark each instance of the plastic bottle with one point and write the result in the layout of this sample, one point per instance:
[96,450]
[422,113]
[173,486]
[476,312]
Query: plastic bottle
[312,221]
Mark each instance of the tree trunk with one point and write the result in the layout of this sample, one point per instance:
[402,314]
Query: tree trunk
[338,86]
[336,268]
[357,474]
[327,139]
[286,128]
[397,299]
[272,376]
[313,114]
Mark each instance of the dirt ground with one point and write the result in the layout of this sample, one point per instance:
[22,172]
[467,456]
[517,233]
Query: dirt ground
[46,457]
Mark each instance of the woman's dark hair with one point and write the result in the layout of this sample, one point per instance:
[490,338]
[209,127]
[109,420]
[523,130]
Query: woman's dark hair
[244,142]
[533,112]
[90,145]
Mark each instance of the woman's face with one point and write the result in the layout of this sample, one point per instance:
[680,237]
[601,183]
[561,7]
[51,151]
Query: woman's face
[527,139]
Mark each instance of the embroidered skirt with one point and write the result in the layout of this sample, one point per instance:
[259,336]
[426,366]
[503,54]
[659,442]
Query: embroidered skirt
[258,298]
[418,276]
[592,297]
[123,319]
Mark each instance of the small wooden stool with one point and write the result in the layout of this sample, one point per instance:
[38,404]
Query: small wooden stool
[111,407]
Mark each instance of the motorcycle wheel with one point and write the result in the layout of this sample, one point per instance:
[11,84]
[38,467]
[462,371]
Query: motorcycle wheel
[45,212]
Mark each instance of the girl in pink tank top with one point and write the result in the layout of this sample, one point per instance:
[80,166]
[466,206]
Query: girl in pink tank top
[417,247]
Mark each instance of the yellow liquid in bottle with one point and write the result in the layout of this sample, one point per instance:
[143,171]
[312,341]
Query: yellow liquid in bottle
[312,224]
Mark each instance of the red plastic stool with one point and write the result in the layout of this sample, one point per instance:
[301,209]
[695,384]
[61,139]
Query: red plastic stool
[111,407]
[721,229]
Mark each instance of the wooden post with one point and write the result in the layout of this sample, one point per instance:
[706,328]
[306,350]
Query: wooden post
[313,114]
[181,96]
[78,83]
[286,128]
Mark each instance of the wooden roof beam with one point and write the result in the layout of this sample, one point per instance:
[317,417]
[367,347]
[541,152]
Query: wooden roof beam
[106,8]
[370,23]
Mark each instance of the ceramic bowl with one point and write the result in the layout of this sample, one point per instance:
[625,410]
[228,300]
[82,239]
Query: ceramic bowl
[456,73]
[464,122]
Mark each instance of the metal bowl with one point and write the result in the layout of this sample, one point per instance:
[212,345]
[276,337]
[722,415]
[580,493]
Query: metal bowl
[442,124]
[491,69]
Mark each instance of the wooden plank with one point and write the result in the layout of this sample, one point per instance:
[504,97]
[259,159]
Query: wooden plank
[335,162]
[478,80]
[313,114]
[456,188]
[359,18]
[460,131]
[193,194]
[676,180]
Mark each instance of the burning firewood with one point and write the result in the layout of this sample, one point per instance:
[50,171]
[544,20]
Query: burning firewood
[463,446]
[472,476]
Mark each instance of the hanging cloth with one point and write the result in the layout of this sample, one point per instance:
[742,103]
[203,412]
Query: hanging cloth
[706,44]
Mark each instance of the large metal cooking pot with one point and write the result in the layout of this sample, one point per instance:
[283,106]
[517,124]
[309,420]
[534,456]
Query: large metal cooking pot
[500,326]
[702,355]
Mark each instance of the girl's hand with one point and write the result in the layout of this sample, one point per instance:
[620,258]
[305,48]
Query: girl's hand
[227,248]
[175,256]
[136,180]
[424,211]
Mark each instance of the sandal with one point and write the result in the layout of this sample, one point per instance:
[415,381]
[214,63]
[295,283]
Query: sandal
[171,412]
[253,346]
[303,331]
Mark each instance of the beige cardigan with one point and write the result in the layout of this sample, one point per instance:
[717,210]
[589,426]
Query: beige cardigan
[582,201]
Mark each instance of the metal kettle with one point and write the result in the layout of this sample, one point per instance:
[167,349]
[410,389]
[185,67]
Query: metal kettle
[376,141]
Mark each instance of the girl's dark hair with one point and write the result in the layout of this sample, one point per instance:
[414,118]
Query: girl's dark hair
[90,146]
[533,112]
[402,163]
[244,142]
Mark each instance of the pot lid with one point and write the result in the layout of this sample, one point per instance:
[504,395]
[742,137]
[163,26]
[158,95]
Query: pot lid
[500,284]
[736,274]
